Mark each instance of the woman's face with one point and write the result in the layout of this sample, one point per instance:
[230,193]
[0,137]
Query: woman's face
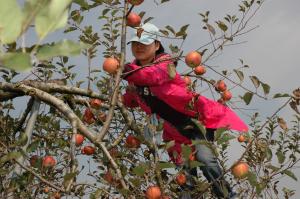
[144,53]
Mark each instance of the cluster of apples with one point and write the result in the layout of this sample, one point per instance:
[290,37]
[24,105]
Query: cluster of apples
[89,117]
[193,59]
[222,87]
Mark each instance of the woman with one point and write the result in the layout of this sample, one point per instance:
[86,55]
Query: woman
[155,91]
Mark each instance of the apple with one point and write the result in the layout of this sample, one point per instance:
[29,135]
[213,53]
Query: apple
[181,179]
[132,142]
[56,195]
[102,117]
[111,65]
[135,2]
[108,177]
[240,170]
[95,103]
[193,59]
[226,95]
[79,139]
[88,150]
[133,20]
[48,161]
[199,70]
[46,190]
[192,157]
[34,160]
[113,152]
[153,192]
[241,138]
[88,116]
[187,80]
[221,86]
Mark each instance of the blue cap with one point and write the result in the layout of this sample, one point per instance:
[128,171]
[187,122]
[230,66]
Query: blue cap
[148,36]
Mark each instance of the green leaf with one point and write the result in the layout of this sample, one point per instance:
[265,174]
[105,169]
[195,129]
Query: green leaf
[240,74]
[225,138]
[63,48]
[278,95]
[272,167]
[52,17]
[170,144]
[219,132]
[247,97]
[280,157]
[266,88]
[22,140]
[211,29]
[10,156]
[290,174]
[222,25]
[16,61]
[182,30]
[195,164]
[255,81]
[140,170]
[33,146]
[165,165]
[252,179]
[68,177]
[170,29]
[186,151]
[200,126]
[11,19]
[269,154]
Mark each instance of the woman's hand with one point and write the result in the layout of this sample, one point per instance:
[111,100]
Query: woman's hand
[131,88]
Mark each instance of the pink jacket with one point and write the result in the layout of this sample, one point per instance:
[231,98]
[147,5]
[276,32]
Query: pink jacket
[174,92]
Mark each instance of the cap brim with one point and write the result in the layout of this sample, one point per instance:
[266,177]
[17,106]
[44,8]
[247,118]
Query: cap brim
[143,40]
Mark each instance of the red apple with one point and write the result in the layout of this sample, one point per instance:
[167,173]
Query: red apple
[132,142]
[48,161]
[111,65]
[133,20]
[79,139]
[88,150]
[88,116]
[240,170]
[135,2]
[226,95]
[241,138]
[221,86]
[199,70]
[57,195]
[181,179]
[153,192]
[108,177]
[95,103]
[193,59]
[34,160]
[187,80]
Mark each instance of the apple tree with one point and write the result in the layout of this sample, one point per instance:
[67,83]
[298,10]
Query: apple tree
[65,132]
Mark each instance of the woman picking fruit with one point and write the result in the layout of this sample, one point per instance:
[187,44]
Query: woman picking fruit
[156,91]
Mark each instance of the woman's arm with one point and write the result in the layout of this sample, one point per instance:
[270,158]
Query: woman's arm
[154,75]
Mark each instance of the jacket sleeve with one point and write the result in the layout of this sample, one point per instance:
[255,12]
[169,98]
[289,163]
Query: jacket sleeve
[154,75]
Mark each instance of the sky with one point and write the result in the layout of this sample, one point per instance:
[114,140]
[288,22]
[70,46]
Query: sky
[271,50]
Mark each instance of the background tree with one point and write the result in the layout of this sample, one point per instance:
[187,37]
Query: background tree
[75,137]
